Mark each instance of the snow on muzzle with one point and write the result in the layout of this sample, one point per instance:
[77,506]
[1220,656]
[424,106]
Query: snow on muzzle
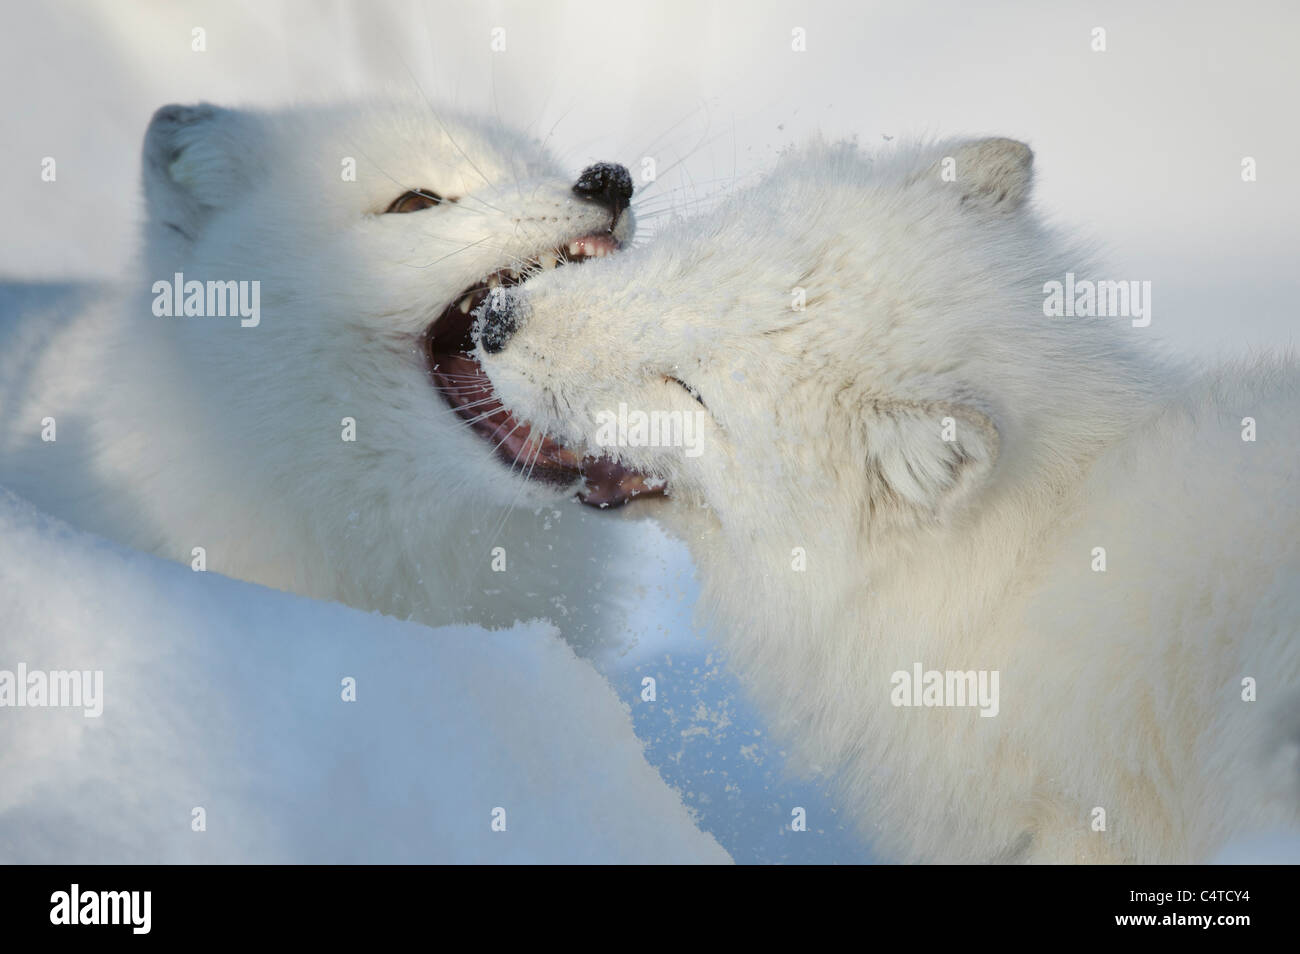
[460,379]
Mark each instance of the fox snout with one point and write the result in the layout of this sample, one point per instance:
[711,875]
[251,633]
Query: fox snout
[607,184]
[501,316]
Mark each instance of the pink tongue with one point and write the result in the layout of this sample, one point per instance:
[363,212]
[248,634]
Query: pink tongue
[610,484]
[469,390]
[463,382]
[607,483]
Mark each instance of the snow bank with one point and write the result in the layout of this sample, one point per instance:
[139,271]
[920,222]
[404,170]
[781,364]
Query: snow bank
[228,697]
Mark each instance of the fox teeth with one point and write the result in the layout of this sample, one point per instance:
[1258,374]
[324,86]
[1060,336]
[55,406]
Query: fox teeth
[574,248]
[548,261]
[465,303]
[493,282]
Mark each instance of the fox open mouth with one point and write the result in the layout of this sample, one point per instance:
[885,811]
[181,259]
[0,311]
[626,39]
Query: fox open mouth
[460,379]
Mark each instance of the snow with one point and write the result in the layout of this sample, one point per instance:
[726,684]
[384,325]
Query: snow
[226,696]
[703,733]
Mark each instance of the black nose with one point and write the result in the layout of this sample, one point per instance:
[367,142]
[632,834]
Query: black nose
[607,183]
[499,320]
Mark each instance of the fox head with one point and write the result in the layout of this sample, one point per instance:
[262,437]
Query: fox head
[344,442]
[859,339]
[372,232]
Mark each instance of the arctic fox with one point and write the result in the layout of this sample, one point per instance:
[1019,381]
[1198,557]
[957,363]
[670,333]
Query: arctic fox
[1028,591]
[281,392]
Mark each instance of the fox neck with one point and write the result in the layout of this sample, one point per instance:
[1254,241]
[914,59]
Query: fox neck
[817,611]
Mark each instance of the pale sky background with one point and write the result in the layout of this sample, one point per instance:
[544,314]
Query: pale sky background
[1139,146]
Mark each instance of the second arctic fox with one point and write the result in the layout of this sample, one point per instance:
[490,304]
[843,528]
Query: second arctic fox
[1027,591]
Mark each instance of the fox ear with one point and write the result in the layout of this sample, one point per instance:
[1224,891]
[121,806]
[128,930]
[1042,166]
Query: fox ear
[196,158]
[994,175]
[930,457]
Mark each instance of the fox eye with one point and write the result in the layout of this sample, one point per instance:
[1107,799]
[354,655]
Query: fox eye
[688,389]
[414,201]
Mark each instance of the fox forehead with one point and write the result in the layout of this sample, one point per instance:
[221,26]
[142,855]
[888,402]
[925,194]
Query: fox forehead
[382,148]
[832,245]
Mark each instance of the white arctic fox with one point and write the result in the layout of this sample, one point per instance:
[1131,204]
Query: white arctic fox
[1028,592]
[282,381]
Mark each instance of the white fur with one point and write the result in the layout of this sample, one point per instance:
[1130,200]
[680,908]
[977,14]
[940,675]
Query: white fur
[1120,690]
[175,433]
